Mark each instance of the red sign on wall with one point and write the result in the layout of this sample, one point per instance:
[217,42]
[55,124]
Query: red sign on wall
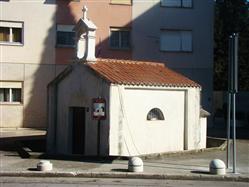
[98,108]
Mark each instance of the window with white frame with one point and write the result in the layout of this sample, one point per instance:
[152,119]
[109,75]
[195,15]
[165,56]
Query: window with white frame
[120,38]
[10,92]
[177,3]
[11,32]
[155,114]
[176,41]
[65,36]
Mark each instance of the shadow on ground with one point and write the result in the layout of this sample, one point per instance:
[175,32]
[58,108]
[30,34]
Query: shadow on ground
[201,172]
[119,170]
[36,148]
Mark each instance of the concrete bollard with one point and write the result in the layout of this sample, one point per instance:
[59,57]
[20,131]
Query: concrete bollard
[44,165]
[135,164]
[217,167]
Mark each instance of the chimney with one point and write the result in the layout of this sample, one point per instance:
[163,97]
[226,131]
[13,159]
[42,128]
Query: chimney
[85,38]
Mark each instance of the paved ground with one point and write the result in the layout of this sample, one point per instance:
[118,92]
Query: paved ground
[21,133]
[81,182]
[15,160]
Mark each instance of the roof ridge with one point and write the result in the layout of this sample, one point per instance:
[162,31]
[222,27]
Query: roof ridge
[139,73]
[126,61]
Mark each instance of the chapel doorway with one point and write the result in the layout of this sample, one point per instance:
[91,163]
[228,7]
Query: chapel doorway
[78,130]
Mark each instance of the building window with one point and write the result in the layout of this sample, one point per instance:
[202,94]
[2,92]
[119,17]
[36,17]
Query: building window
[65,36]
[121,2]
[177,3]
[120,38]
[155,114]
[11,32]
[176,41]
[10,92]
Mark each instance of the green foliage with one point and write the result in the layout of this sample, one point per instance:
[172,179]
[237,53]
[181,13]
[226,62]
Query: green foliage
[231,16]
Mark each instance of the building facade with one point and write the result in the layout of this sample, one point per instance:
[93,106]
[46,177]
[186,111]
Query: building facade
[178,33]
[37,42]
[27,61]
[111,17]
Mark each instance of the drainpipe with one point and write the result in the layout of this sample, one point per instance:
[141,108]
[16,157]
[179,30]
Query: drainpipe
[186,120]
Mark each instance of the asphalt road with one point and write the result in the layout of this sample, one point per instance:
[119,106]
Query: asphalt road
[92,182]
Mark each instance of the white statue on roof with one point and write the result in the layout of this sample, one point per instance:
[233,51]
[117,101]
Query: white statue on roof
[84,10]
[85,38]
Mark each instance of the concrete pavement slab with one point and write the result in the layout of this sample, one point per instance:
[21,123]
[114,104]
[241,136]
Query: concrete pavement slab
[189,166]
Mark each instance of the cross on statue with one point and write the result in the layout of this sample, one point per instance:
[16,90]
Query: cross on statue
[84,10]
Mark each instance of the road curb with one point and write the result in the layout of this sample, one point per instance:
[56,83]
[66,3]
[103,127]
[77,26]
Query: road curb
[235,178]
[218,144]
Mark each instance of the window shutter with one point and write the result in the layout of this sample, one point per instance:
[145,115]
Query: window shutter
[186,40]
[10,84]
[65,28]
[187,3]
[171,3]
[11,24]
[170,41]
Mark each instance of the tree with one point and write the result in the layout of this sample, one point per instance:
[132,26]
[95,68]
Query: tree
[231,16]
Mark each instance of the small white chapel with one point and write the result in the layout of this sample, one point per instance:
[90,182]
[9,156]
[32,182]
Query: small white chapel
[112,107]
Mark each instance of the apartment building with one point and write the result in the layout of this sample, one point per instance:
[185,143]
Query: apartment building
[178,33]
[113,35]
[27,61]
[37,41]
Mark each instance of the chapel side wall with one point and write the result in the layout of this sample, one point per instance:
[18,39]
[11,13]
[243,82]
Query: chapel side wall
[75,91]
[203,123]
[193,124]
[132,134]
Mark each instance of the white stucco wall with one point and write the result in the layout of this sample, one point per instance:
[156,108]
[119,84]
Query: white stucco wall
[203,131]
[132,134]
[193,127]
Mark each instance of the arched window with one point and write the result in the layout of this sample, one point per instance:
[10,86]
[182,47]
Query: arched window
[155,114]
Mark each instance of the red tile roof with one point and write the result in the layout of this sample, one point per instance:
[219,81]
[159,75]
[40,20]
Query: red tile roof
[129,72]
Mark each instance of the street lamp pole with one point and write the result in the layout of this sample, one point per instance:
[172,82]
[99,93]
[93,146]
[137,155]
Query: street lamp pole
[232,90]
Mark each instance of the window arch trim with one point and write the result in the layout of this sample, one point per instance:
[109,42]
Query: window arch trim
[155,114]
